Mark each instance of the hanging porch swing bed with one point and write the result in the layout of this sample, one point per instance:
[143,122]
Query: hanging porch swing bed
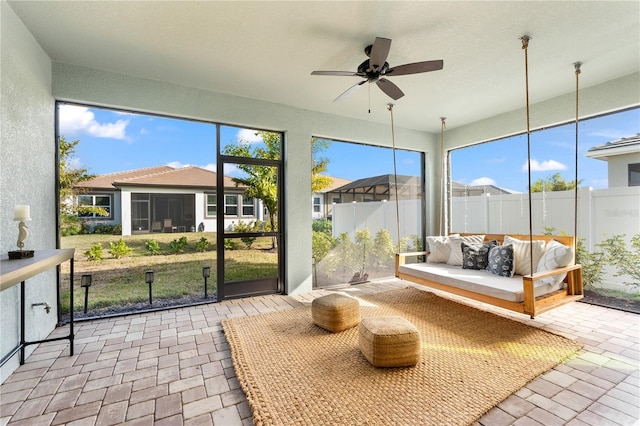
[496,269]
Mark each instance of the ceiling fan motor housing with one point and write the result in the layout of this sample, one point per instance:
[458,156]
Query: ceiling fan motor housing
[364,69]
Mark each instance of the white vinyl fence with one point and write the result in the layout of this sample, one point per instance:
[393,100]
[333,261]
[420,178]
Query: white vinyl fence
[376,215]
[602,213]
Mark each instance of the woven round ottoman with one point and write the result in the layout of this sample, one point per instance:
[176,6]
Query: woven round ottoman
[389,341]
[335,312]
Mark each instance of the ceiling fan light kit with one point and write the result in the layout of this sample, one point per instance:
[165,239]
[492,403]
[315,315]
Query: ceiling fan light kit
[376,68]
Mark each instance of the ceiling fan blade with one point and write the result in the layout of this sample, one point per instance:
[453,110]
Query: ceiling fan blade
[390,89]
[341,73]
[349,91]
[416,67]
[379,53]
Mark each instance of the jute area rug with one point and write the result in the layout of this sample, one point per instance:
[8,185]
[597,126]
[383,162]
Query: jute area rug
[294,372]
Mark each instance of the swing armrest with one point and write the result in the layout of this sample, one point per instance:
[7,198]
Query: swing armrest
[401,258]
[551,272]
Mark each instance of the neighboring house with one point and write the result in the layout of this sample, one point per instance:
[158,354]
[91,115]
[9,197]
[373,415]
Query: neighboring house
[623,160]
[377,188]
[321,202]
[165,199]
[461,190]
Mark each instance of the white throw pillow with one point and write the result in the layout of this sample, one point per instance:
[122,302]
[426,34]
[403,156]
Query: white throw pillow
[455,246]
[439,248]
[556,255]
[522,254]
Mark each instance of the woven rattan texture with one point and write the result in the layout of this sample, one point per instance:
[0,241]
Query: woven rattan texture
[294,372]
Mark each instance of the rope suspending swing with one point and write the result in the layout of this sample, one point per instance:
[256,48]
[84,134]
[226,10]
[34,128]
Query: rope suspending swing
[577,66]
[525,46]
[395,175]
[442,228]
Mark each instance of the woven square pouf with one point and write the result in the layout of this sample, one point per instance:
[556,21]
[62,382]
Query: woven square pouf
[335,312]
[389,341]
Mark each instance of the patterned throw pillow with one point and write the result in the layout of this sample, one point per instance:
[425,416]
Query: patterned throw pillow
[522,254]
[501,260]
[476,256]
[455,256]
[556,255]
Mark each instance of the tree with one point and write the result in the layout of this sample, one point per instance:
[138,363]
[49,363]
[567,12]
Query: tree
[261,181]
[70,177]
[319,164]
[554,182]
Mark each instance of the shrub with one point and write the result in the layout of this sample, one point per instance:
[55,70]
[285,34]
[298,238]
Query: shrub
[246,227]
[322,225]
[229,244]
[119,249]
[343,256]
[202,244]
[178,245]
[383,249]
[153,247]
[94,252]
[364,249]
[107,229]
[70,225]
[626,260]
[321,244]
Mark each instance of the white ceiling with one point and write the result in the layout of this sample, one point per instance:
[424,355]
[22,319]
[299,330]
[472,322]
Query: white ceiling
[267,50]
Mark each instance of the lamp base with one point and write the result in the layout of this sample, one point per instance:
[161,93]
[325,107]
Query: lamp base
[20,254]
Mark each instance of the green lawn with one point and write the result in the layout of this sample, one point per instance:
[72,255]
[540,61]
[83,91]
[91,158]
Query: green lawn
[120,282]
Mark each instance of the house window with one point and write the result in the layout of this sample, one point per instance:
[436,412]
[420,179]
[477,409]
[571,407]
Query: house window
[212,205]
[248,206]
[231,205]
[316,204]
[94,201]
[634,174]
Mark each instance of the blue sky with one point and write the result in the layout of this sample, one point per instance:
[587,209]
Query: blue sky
[113,141]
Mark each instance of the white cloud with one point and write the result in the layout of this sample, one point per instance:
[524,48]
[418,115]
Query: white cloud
[483,181]
[247,135]
[231,170]
[177,164]
[211,167]
[76,120]
[545,166]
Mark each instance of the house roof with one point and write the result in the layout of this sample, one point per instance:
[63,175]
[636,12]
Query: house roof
[207,45]
[622,146]
[458,188]
[336,182]
[160,176]
[382,180]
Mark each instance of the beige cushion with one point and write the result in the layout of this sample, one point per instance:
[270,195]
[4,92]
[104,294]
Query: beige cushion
[389,341]
[335,312]
[556,255]
[522,254]
[455,245]
[439,248]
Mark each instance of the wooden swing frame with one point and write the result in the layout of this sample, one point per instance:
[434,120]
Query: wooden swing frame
[530,305]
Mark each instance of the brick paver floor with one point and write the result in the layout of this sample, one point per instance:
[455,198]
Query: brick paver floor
[174,367]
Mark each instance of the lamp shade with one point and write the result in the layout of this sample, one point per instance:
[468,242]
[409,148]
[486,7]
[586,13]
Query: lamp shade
[148,277]
[22,212]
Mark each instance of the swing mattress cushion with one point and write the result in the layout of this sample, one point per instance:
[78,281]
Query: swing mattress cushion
[478,281]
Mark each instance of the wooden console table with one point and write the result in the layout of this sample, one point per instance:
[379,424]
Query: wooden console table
[16,271]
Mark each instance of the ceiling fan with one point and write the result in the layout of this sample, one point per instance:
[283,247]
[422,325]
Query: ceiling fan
[376,68]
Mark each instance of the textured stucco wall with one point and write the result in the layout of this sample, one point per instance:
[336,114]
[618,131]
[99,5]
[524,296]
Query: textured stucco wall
[618,169]
[78,84]
[27,174]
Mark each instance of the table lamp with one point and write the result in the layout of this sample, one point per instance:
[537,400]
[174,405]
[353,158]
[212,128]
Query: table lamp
[21,213]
